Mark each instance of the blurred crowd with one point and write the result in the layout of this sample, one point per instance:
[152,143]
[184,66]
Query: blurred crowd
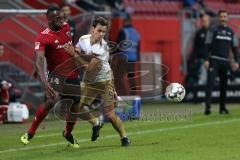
[8,93]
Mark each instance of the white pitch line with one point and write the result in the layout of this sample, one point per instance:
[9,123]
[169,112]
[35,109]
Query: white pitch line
[130,133]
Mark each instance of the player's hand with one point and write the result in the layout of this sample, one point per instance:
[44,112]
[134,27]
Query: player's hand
[50,93]
[78,50]
[235,67]
[70,49]
[206,64]
[94,54]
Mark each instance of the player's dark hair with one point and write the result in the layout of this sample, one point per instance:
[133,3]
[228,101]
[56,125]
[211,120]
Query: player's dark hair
[52,9]
[100,20]
[222,11]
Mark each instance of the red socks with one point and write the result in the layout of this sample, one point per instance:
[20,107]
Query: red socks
[39,116]
[69,125]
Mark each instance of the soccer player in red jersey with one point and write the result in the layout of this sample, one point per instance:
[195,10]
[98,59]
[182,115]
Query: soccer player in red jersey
[62,72]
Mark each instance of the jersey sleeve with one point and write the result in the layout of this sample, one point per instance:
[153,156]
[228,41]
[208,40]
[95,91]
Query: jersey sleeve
[101,49]
[40,43]
[235,40]
[80,43]
[234,46]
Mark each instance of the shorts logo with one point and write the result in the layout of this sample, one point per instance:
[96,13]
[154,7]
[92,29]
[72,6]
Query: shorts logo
[54,81]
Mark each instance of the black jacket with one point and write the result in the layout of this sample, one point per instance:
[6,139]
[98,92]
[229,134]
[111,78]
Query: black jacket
[219,41]
[199,43]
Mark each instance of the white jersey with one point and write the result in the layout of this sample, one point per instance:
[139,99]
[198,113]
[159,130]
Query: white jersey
[102,52]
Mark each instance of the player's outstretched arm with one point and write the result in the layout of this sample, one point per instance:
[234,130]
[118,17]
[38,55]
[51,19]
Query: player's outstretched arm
[92,69]
[76,54]
[87,57]
[40,72]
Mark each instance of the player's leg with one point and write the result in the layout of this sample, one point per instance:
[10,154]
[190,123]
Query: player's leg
[71,119]
[75,112]
[109,111]
[117,124]
[88,94]
[40,115]
[69,87]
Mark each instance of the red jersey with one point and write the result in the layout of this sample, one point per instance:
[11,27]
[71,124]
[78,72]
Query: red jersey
[59,61]
[5,96]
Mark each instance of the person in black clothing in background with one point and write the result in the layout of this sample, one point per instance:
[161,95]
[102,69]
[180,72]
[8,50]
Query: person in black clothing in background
[196,59]
[67,15]
[1,49]
[219,41]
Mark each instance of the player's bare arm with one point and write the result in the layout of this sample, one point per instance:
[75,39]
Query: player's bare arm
[92,69]
[41,75]
[87,57]
[76,54]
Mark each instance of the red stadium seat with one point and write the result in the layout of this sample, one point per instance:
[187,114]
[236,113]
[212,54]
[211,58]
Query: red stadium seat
[154,8]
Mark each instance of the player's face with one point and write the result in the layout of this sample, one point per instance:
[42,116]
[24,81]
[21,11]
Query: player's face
[66,10]
[223,18]
[99,32]
[205,21]
[56,20]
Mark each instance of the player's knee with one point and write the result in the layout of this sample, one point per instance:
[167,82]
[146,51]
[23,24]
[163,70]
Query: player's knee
[49,104]
[111,116]
[74,108]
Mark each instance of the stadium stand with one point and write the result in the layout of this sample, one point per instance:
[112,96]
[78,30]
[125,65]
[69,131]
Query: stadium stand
[43,4]
[215,5]
[154,8]
[18,31]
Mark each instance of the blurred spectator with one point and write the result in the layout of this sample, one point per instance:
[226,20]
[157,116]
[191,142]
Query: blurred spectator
[198,8]
[196,71]
[194,6]
[189,3]
[193,3]
[231,1]
[67,13]
[89,5]
[4,93]
[116,5]
[113,6]
[1,49]
[129,35]
[69,1]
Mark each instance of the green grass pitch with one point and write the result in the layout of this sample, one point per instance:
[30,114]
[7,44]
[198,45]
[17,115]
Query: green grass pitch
[165,132]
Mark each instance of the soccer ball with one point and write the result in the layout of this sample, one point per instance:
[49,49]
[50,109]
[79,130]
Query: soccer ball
[175,92]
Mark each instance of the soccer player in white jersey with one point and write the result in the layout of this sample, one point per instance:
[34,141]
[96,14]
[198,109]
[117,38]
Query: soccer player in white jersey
[98,79]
